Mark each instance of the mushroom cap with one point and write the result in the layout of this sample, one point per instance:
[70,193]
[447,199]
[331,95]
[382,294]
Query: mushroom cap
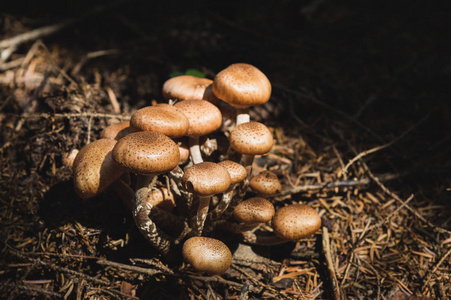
[242,85]
[146,153]
[236,171]
[206,179]
[206,254]
[265,183]
[185,87]
[116,131]
[252,138]
[162,118]
[94,169]
[254,210]
[204,117]
[296,221]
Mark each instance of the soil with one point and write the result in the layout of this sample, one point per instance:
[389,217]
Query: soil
[360,112]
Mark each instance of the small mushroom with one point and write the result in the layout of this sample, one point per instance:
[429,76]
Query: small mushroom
[295,221]
[204,180]
[265,183]
[186,87]
[116,131]
[252,212]
[237,174]
[250,139]
[207,255]
[242,85]
[204,118]
[162,118]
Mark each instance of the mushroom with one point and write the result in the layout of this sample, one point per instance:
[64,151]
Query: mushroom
[237,174]
[162,118]
[116,131]
[147,154]
[207,255]
[204,180]
[204,118]
[242,85]
[295,221]
[252,212]
[94,169]
[250,139]
[265,183]
[185,87]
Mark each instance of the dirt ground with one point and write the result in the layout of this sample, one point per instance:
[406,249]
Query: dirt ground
[360,112]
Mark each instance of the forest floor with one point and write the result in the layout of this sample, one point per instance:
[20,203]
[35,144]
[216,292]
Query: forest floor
[360,111]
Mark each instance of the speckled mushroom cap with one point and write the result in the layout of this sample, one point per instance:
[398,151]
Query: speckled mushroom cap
[236,171]
[254,210]
[206,179]
[242,85]
[94,169]
[162,118]
[265,183]
[204,117]
[116,131]
[146,153]
[295,222]
[185,87]
[207,255]
[252,138]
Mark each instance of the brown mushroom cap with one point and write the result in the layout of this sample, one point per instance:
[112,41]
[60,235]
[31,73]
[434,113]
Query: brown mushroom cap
[207,255]
[146,153]
[236,171]
[252,138]
[162,118]
[254,210]
[206,179]
[94,169]
[242,85]
[185,87]
[265,183]
[296,221]
[204,117]
[116,131]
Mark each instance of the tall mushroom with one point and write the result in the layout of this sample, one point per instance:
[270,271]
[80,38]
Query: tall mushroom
[204,118]
[147,154]
[204,180]
[242,85]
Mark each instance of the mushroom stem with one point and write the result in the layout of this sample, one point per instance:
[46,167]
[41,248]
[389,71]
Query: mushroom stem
[242,116]
[194,150]
[141,210]
[202,211]
[223,203]
[247,160]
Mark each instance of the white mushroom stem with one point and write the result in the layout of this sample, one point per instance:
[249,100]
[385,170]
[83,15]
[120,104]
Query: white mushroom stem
[242,116]
[141,210]
[194,150]
[202,211]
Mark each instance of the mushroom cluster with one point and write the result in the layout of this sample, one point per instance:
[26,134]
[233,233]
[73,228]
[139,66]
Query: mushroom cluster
[160,164]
